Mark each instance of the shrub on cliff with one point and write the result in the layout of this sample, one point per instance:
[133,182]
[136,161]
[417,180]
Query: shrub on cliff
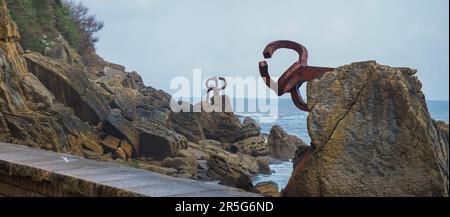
[41,22]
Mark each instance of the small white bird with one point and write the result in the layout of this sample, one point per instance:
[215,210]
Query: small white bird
[65,159]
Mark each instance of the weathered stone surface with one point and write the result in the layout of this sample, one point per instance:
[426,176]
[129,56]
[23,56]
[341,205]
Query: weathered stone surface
[8,29]
[121,154]
[184,162]
[111,142]
[211,143]
[268,189]
[220,126]
[188,125]
[372,135]
[263,165]
[157,141]
[301,151]
[253,146]
[119,127]
[127,148]
[236,170]
[70,86]
[250,128]
[282,145]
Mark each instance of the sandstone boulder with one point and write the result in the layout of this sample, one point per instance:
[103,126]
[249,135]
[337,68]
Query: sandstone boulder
[70,86]
[250,128]
[121,128]
[268,189]
[282,145]
[253,146]
[236,170]
[372,135]
[220,126]
[184,162]
[157,141]
[188,125]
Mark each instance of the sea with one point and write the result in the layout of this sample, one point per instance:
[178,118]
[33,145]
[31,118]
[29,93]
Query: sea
[293,121]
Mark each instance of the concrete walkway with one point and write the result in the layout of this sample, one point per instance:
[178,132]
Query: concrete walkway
[45,173]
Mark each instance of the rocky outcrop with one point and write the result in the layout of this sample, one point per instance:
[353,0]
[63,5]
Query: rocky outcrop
[253,146]
[70,87]
[268,189]
[220,126]
[29,112]
[158,142]
[282,145]
[185,162]
[250,128]
[118,126]
[188,125]
[372,135]
[236,170]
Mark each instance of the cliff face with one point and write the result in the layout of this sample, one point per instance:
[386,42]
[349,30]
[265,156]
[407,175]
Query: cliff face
[29,113]
[372,135]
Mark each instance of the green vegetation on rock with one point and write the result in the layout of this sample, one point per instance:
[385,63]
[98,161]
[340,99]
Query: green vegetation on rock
[42,22]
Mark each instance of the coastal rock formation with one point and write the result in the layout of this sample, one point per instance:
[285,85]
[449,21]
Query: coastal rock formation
[184,162]
[282,145]
[250,128]
[29,112]
[372,135]
[157,141]
[220,126]
[253,146]
[236,170]
[268,189]
[70,87]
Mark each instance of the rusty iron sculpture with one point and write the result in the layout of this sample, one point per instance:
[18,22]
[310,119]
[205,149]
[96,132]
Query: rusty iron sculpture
[295,76]
[214,87]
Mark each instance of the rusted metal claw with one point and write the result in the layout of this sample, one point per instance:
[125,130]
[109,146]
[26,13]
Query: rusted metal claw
[215,86]
[295,76]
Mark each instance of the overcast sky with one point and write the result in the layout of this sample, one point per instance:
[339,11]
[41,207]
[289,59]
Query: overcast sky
[162,39]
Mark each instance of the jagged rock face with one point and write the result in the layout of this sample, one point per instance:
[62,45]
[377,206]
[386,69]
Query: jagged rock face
[8,29]
[268,189]
[253,146]
[157,141]
[70,87]
[250,128]
[188,125]
[220,126]
[235,170]
[283,146]
[29,114]
[184,162]
[372,135]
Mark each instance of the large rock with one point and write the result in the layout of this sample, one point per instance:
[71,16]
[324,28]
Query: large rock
[157,141]
[236,170]
[250,128]
[121,128]
[188,125]
[253,146]
[220,126]
[268,189]
[282,145]
[372,135]
[70,86]
[185,162]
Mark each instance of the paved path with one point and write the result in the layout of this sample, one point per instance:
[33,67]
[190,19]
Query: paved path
[82,177]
